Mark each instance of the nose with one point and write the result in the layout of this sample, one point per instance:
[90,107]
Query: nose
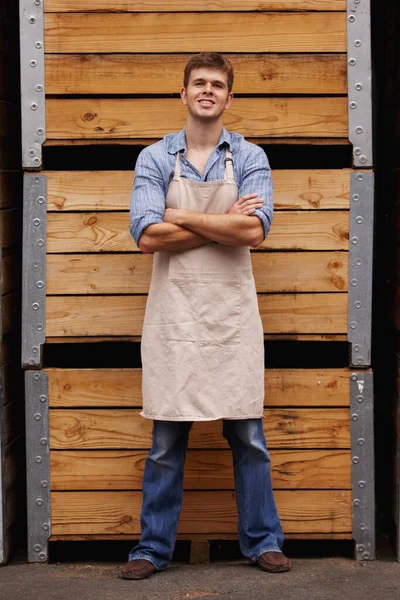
[208,88]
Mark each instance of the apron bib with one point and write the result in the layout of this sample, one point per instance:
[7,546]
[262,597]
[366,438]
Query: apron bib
[202,345]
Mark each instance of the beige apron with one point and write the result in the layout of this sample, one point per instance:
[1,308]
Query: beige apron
[202,344]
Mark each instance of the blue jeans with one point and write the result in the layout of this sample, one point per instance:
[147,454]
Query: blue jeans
[259,528]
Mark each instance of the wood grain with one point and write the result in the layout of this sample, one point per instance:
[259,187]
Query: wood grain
[204,469]
[123,315]
[308,189]
[195,31]
[114,118]
[109,232]
[74,388]
[176,5]
[131,274]
[126,429]
[163,73]
[322,511]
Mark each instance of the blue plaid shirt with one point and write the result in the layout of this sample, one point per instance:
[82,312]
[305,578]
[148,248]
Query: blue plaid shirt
[155,168]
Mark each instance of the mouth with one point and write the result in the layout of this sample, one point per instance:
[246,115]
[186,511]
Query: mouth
[205,102]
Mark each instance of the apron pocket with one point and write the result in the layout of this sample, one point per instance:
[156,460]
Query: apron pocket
[205,310]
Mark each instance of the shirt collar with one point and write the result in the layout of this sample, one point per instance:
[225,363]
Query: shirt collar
[177,141]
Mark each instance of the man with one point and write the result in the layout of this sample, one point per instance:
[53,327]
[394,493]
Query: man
[202,342]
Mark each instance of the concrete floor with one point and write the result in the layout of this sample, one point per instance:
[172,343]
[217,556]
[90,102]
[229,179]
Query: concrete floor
[311,578]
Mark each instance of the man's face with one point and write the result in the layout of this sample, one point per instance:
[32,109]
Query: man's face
[206,95]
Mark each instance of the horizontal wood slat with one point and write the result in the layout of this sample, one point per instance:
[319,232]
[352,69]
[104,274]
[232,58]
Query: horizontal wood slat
[323,511]
[126,429]
[195,536]
[123,315]
[204,469]
[109,232]
[190,32]
[131,274]
[308,189]
[177,5]
[154,117]
[123,387]
[163,73]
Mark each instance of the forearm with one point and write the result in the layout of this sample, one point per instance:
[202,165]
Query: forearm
[228,229]
[169,237]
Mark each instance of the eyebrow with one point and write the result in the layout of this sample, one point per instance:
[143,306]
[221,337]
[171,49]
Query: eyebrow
[214,80]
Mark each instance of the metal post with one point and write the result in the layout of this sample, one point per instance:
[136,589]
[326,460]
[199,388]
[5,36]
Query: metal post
[359,80]
[362,459]
[32,82]
[37,464]
[360,267]
[34,270]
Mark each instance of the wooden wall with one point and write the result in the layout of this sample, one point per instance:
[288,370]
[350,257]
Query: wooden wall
[11,396]
[112,77]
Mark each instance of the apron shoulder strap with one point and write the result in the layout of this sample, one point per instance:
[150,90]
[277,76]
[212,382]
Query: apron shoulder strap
[177,172]
[228,166]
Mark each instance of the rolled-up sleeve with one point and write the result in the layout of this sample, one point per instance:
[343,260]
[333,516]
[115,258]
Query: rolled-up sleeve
[148,194]
[256,178]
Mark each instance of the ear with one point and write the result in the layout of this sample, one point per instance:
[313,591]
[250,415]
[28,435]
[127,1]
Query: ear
[184,96]
[229,100]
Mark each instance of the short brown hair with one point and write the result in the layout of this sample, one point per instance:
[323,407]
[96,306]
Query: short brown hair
[209,59]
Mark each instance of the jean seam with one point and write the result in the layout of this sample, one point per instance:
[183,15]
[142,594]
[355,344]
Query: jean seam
[156,564]
[255,557]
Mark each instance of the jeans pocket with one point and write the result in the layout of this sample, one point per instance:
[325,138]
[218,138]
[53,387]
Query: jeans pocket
[201,309]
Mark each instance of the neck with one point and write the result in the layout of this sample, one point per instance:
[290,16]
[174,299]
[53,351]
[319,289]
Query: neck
[201,135]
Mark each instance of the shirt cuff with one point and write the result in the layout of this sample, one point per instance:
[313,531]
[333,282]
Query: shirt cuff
[136,230]
[264,220]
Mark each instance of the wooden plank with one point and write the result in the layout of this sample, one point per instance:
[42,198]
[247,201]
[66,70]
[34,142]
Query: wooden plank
[123,315]
[10,227]
[74,388]
[176,5]
[191,32]
[10,270]
[322,511]
[163,73]
[204,469]
[155,117]
[109,232]
[131,274]
[126,429]
[303,337]
[307,189]
[194,536]
[261,141]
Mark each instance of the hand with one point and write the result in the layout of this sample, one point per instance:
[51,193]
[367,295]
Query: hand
[171,215]
[246,205]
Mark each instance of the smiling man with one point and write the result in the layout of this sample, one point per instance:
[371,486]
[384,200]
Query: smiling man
[201,198]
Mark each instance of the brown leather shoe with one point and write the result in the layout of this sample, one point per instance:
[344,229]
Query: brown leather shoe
[274,562]
[139,568]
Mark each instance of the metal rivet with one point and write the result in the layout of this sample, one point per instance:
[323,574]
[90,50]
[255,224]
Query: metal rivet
[40,243]
[40,284]
[39,87]
[37,548]
[40,131]
[359,129]
[356,1]
[45,526]
[359,220]
[31,361]
[39,502]
[38,416]
[38,459]
[40,199]
[363,527]
[354,282]
[361,484]
[42,556]
[356,460]
[35,349]
[359,87]
[366,555]
[360,399]
[353,104]
[36,376]
[357,305]
[36,161]
[360,360]
[39,44]
[352,62]
[354,417]
[356,347]
[356,502]
[361,441]
[360,547]
[358,262]
[33,63]
[356,197]
[44,484]
[34,106]
[36,179]
[36,222]
[357,43]
[31,152]
[352,18]
[37,2]
[363,159]
[354,377]
[43,441]
[42,398]
[39,327]
[32,20]
[360,177]
[354,240]
[353,325]
[35,305]
[357,151]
